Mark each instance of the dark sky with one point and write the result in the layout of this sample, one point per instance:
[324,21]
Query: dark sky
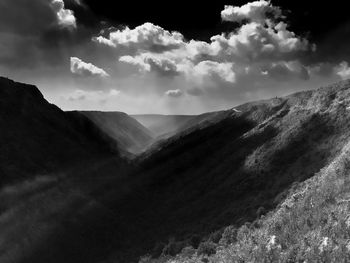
[323,22]
[202,20]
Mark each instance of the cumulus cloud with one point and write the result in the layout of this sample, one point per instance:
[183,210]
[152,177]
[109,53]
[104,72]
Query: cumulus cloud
[176,93]
[148,62]
[98,95]
[258,11]
[65,16]
[262,43]
[209,68]
[79,67]
[343,70]
[286,70]
[146,37]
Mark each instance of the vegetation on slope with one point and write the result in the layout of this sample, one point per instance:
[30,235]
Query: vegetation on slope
[130,135]
[177,202]
[303,134]
[312,224]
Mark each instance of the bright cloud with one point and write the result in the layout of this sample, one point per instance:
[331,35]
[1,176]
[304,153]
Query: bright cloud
[98,95]
[257,11]
[174,93]
[263,43]
[79,67]
[65,17]
[343,70]
[146,37]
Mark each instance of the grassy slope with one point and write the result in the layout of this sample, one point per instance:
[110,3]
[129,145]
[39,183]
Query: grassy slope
[311,223]
[204,180]
[129,133]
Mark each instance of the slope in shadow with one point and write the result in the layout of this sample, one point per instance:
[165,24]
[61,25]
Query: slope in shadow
[38,137]
[131,136]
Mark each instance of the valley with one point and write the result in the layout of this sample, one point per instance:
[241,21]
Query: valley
[103,187]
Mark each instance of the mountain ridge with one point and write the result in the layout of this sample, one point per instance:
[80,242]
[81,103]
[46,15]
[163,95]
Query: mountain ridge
[226,174]
[131,136]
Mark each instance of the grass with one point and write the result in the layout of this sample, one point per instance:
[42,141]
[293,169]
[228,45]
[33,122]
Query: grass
[311,225]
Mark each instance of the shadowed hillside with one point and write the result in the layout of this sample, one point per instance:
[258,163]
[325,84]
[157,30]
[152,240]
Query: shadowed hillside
[130,135]
[37,137]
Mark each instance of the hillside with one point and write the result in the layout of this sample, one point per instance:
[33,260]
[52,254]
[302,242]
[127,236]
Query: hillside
[37,137]
[130,135]
[231,172]
[247,183]
[311,220]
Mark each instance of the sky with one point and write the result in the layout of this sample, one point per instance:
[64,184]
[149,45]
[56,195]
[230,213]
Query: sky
[175,57]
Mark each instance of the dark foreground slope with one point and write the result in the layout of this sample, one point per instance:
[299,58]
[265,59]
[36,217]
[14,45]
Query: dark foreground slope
[50,164]
[36,137]
[131,136]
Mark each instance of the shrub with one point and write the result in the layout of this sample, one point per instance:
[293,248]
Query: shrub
[229,235]
[194,241]
[173,248]
[216,236]
[206,248]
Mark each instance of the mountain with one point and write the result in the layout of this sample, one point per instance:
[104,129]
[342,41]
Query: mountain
[236,169]
[166,126]
[162,125]
[309,218]
[130,135]
[37,137]
[264,181]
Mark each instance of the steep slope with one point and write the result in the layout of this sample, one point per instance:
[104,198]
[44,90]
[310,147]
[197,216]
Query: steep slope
[228,171]
[129,133]
[311,224]
[163,125]
[52,163]
[37,137]
[232,171]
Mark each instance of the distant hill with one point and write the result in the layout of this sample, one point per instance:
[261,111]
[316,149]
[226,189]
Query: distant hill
[130,135]
[163,125]
[37,137]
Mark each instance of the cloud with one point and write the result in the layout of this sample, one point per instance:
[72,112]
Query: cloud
[98,95]
[65,16]
[343,70]
[223,71]
[146,37]
[79,67]
[148,62]
[176,93]
[286,70]
[262,43]
[37,33]
[258,11]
